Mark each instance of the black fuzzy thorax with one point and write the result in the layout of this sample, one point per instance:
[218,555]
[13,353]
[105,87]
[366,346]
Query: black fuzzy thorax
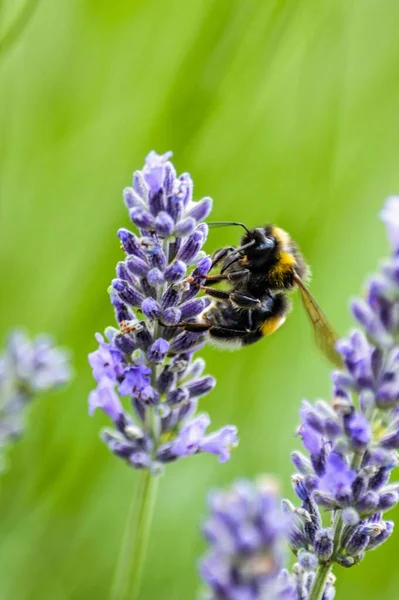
[266,266]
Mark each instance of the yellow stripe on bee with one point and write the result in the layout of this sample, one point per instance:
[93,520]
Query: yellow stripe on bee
[285,262]
[281,236]
[272,324]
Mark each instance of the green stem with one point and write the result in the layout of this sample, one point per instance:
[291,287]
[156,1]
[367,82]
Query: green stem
[319,582]
[127,582]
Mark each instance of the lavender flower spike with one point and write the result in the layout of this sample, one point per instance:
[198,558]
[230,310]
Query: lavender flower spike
[148,379]
[352,443]
[28,367]
[245,531]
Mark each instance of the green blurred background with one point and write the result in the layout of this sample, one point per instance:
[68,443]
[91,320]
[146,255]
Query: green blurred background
[282,111]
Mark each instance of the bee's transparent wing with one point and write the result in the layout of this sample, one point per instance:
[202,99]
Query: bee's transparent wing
[324,333]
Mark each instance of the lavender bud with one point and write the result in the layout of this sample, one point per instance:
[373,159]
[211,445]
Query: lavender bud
[368,503]
[192,308]
[164,224]
[195,369]
[345,561]
[171,297]
[325,500]
[155,277]
[130,243]
[124,343]
[169,178]
[203,267]
[380,478]
[185,341]
[307,560]
[127,293]
[191,247]
[363,313]
[175,272]
[175,210]
[132,199]
[372,530]
[136,266]
[201,209]
[201,387]
[204,229]
[324,545]
[140,186]
[388,500]
[382,537]
[149,396]
[142,219]
[390,441]
[359,486]
[139,460]
[158,351]
[165,380]
[144,338]
[301,463]
[177,397]
[300,489]
[156,201]
[151,309]
[185,227]
[171,316]
[357,543]
[123,273]
[156,257]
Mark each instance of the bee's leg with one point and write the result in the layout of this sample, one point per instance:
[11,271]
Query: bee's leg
[220,254]
[235,276]
[194,327]
[219,294]
[244,301]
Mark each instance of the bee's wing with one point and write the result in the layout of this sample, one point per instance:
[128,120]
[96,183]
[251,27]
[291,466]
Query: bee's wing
[325,334]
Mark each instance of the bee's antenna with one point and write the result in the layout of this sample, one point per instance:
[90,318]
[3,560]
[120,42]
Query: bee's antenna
[227,223]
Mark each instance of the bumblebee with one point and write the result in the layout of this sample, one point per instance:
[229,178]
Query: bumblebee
[259,273]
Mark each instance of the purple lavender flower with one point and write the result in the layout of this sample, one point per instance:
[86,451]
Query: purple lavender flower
[148,379]
[352,443]
[246,532]
[28,367]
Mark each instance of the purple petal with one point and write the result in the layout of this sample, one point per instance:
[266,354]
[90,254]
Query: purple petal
[105,398]
[221,442]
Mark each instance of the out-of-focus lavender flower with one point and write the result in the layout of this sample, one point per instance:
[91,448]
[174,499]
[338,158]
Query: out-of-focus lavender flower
[246,531]
[352,443]
[28,367]
[149,381]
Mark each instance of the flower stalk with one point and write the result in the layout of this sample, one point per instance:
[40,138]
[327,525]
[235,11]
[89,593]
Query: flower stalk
[319,582]
[128,578]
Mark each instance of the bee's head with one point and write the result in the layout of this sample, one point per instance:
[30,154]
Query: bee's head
[264,246]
